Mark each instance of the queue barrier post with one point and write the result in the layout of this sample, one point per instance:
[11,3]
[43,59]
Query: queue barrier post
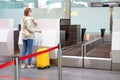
[16,68]
[59,62]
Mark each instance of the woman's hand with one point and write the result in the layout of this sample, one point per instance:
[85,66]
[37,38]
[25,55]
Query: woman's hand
[35,21]
[39,31]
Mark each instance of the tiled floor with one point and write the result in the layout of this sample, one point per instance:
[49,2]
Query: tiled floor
[52,74]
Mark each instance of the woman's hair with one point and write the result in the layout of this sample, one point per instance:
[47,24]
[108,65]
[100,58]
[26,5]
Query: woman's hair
[26,11]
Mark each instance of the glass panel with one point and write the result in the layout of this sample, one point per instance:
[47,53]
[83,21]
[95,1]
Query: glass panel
[93,19]
[89,3]
[17,14]
[82,3]
[11,4]
[6,4]
[50,3]
[14,9]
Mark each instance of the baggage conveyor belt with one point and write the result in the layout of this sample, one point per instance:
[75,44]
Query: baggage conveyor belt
[73,51]
[98,58]
[71,57]
[103,51]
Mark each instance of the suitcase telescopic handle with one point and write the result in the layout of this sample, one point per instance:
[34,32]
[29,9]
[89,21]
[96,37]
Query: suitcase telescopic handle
[39,40]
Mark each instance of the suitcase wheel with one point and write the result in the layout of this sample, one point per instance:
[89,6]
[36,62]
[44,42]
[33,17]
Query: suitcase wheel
[43,67]
[48,66]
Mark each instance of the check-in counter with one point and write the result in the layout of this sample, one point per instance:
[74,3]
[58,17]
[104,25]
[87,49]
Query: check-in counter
[6,37]
[16,37]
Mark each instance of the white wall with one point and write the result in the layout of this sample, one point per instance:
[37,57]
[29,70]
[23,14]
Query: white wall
[116,41]
[116,36]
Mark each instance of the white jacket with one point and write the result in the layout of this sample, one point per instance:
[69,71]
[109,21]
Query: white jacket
[28,27]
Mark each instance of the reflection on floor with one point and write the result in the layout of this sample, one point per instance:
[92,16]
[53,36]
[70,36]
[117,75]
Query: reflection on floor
[52,74]
[5,58]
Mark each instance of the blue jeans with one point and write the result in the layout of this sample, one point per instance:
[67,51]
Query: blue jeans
[27,47]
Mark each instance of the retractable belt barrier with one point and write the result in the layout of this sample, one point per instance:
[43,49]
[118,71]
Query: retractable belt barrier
[6,64]
[9,63]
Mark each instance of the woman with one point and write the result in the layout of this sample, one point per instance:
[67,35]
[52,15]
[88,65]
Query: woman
[28,30]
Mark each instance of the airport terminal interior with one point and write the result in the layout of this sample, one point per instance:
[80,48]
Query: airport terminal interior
[81,37]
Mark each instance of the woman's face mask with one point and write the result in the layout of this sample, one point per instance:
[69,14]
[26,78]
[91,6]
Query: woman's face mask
[30,14]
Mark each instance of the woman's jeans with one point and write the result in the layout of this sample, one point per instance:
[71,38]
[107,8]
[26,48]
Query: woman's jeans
[27,48]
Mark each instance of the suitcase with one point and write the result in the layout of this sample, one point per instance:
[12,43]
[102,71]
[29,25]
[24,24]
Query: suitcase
[43,60]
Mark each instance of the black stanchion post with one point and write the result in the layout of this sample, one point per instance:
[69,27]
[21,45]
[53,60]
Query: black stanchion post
[59,62]
[16,68]
[19,27]
[83,46]
[102,32]
[83,34]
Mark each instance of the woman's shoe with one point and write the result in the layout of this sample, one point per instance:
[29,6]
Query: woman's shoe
[23,66]
[30,66]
